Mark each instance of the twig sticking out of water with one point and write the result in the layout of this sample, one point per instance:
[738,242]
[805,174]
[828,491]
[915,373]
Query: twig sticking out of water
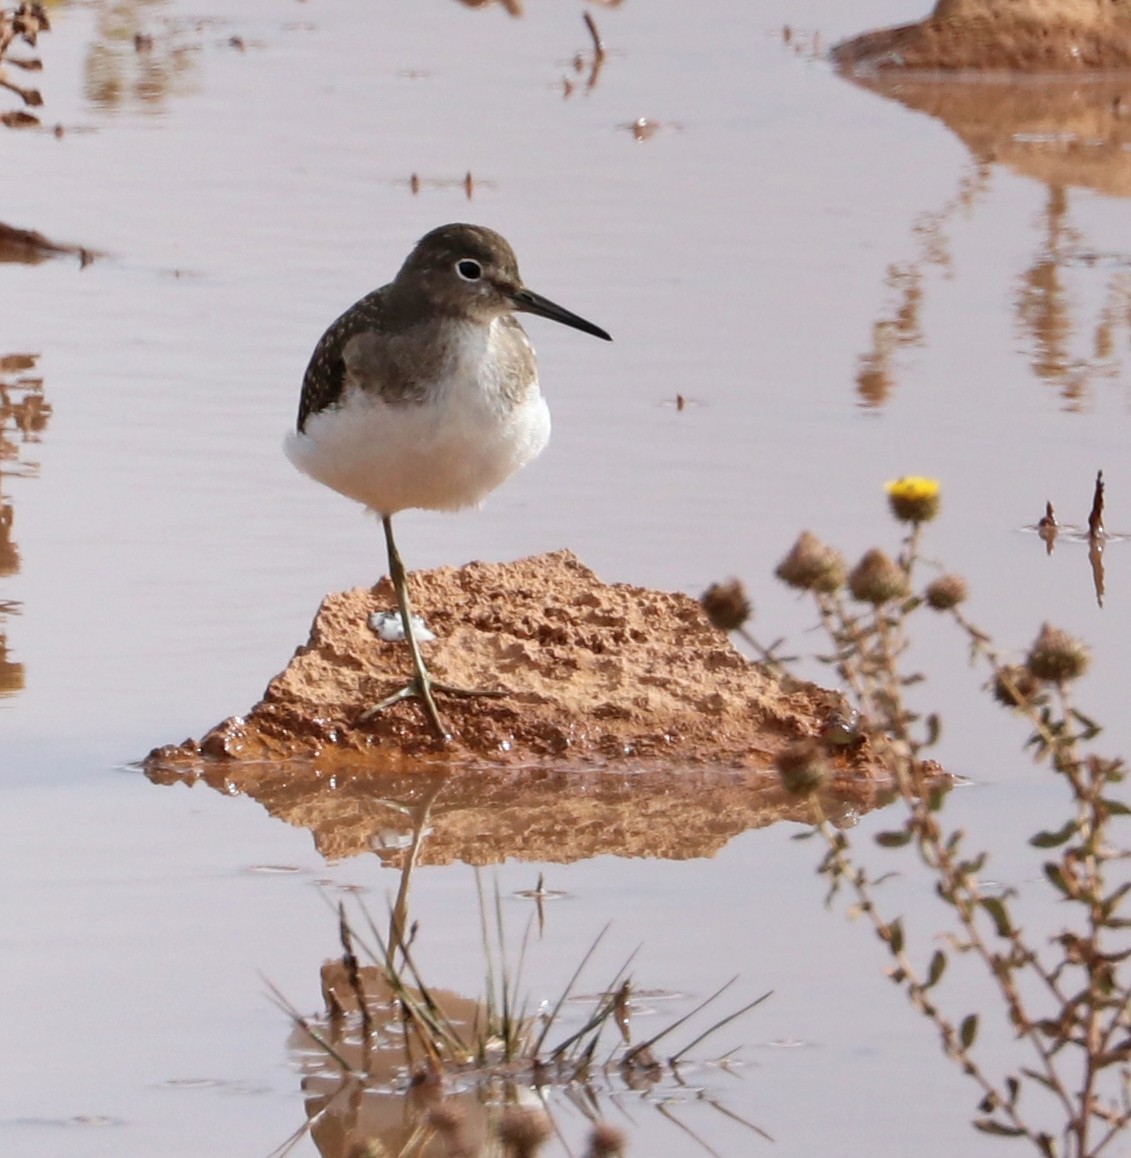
[598,46]
[1096,538]
[1096,517]
[579,62]
[1048,528]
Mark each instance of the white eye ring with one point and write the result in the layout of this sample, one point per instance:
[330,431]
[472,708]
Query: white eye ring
[469,269]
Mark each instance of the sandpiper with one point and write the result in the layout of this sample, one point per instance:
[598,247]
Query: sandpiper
[425,394]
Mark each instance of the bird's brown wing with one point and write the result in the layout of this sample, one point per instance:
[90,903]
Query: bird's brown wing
[325,377]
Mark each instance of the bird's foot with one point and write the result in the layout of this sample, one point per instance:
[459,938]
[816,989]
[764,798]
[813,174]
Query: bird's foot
[470,693]
[415,689]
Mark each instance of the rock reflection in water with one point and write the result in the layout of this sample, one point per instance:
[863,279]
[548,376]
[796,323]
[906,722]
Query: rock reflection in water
[140,54]
[1067,133]
[487,815]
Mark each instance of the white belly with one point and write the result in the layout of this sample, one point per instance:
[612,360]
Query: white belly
[444,454]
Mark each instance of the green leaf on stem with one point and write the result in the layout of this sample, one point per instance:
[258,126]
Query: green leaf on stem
[989,1126]
[968,1030]
[998,913]
[935,969]
[1055,875]
[1090,728]
[934,729]
[892,933]
[1039,1078]
[893,839]
[1057,837]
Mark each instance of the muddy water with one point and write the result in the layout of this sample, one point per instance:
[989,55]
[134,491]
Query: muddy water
[843,287]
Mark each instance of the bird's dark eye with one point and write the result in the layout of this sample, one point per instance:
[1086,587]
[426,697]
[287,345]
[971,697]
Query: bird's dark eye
[469,270]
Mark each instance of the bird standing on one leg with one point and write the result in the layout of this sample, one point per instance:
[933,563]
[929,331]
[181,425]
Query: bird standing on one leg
[425,394]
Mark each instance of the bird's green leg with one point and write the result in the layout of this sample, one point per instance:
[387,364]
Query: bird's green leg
[422,683]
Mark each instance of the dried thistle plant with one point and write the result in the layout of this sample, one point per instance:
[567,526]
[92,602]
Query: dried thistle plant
[1067,999]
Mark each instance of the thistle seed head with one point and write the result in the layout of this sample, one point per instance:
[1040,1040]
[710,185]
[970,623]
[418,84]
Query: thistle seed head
[1056,657]
[877,579]
[523,1130]
[1015,686]
[606,1141]
[726,605]
[946,592]
[812,566]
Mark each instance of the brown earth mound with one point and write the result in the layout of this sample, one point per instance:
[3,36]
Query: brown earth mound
[595,674]
[1011,35]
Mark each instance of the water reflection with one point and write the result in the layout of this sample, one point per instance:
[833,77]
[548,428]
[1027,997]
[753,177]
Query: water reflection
[485,815]
[586,67]
[423,1071]
[899,327]
[140,54]
[396,1066]
[516,7]
[24,413]
[1065,133]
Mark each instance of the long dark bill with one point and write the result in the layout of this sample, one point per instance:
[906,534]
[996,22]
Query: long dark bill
[531,303]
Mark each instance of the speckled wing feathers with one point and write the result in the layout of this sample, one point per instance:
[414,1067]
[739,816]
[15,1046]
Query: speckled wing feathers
[325,377]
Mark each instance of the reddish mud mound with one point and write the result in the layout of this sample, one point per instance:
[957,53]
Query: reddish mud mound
[1001,35]
[595,674]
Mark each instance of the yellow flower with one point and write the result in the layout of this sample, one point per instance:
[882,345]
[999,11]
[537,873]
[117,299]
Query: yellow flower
[913,499]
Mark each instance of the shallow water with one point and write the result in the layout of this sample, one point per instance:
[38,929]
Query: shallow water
[845,289]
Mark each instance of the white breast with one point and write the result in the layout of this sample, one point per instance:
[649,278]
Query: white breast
[447,452]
